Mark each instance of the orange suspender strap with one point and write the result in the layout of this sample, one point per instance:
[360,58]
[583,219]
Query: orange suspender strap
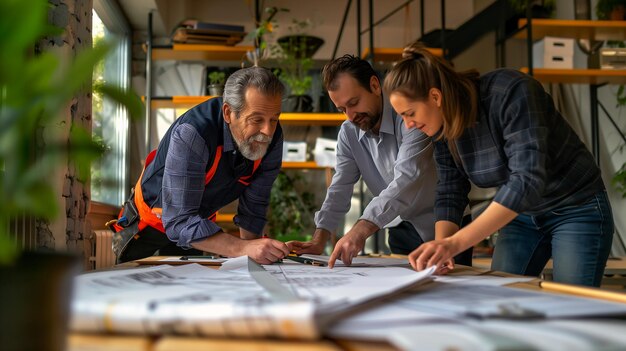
[152,216]
[244,180]
[216,162]
[147,216]
[142,207]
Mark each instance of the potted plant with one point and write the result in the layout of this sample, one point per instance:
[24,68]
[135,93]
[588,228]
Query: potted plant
[37,88]
[216,83]
[262,28]
[291,209]
[613,10]
[294,53]
[538,9]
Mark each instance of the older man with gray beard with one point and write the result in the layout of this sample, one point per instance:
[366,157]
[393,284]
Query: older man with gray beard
[219,151]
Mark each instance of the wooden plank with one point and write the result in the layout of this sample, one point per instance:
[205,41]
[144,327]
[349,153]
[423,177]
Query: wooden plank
[393,54]
[301,165]
[312,119]
[577,29]
[201,52]
[287,118]
[88,342]
[203,344]
[578,76]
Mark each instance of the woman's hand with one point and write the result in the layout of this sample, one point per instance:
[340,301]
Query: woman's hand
[437,253]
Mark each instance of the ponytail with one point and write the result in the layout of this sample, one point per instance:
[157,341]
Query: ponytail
[420,70]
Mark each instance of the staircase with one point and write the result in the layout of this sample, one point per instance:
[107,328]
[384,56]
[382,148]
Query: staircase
[499,16]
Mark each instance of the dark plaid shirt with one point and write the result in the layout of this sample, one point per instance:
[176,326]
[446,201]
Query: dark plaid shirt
[520,144]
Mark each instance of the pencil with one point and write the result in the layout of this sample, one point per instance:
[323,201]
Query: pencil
[583,291]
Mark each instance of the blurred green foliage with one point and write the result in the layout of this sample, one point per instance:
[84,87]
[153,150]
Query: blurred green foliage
[35,89]
[291,208]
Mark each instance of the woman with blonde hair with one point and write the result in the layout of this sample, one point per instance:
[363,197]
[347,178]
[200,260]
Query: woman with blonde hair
[502,130]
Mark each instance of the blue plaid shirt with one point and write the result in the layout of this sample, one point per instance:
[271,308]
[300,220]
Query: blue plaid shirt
[520,144]
[183,184]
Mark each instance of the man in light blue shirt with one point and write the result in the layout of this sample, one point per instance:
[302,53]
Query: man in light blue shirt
[396,164]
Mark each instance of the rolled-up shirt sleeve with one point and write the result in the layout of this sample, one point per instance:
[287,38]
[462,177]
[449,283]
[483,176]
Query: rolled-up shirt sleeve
[339,193]
[253,203]
[452,186]
[525,131]
[183,187]
[413,175]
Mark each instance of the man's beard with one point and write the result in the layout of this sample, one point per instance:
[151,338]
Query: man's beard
[366,121]
[251,151]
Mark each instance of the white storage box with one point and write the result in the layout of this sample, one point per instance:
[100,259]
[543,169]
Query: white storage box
[551,52]
[326,152]
[553,61]
[294,151]
[556,46]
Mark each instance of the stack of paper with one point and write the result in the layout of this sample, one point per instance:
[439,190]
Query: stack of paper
[196,300]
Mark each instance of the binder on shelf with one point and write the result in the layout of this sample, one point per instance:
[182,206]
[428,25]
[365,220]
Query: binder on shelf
[194,31]
[195,24]
[200,36]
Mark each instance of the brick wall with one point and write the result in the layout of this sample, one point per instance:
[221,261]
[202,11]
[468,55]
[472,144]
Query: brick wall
[68,232]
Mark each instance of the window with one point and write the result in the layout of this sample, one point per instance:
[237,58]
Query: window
[110,123]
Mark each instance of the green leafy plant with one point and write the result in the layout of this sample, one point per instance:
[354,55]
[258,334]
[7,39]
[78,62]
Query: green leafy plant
[217,77]
[291,209]
[543,7]
[294,73]
[35,89]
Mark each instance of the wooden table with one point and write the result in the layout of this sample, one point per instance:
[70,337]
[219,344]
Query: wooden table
[82,342]
[614,272]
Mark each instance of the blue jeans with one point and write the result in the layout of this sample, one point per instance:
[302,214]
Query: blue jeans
[578,238]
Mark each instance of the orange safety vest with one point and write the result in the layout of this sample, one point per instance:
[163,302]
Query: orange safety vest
[152,216]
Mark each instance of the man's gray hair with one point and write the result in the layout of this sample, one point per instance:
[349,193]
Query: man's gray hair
[261,78]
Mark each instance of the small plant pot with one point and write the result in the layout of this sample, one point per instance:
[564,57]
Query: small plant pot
[216,89]
[35,301]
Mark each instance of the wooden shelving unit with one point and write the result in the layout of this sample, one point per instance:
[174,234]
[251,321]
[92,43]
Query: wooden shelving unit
[578,29]
[199,52]
[393,54]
